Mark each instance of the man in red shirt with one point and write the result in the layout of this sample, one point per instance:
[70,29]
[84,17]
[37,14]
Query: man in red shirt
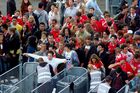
[135,63]
[125,66]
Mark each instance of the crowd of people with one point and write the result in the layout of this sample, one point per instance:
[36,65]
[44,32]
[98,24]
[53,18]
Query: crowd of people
[74,30]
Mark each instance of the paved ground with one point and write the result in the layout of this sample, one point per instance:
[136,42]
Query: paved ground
[35,2]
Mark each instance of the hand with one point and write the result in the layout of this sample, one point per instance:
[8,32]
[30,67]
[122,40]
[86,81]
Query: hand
[25,54]
[65,61]
[126,81]
[90,66]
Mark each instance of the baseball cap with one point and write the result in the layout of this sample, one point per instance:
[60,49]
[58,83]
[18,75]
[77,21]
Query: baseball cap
[130,32]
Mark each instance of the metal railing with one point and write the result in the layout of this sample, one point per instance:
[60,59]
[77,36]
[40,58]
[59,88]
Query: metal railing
[12,76]
[132,86]
[65,90]
[16,75]
[61,82]
[25,85]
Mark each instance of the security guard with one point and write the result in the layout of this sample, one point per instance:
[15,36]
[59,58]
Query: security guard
[105,87]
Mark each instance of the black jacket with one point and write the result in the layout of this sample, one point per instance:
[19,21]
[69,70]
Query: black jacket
[91,51]
[5,43]
[123,75]
[133,24]
[81,55]
[11,7]
[14,43]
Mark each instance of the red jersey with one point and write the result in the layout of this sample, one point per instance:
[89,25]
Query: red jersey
[97,26]
[55,33]
[105,25]
[136,64]
[111,47]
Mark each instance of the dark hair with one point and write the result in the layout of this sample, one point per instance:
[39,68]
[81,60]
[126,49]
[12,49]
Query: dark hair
[137,55]
[80,26]
[118,70]
[27,28]
[123,46]
[54,20]
[102,45]
[14,17]
[40,59]
[53,4]
[32,41]
[42,23]
[107,32]
[0,12]
[5,26]
[63,31]
[50,35]
[69,46]
[50,52]
[60,67]
[108,79]
[106,13]
[109,23]
[89,15]
[92,8]
[114,36]
[78,14]
[97,39]
[41,5]
[120,33]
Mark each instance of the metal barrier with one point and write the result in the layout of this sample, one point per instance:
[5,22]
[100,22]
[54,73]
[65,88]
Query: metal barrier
[15,75]
[94,90]
[25,85]
[114,6]
[81,85]
[132,86]
[77,78]
[29,68]
[65,90]
[12,76]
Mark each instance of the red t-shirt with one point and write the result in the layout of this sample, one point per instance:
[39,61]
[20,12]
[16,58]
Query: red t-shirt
[126,67]
[122,41]
[97,26]
[136,64]
[105,25]
[55,33]
[111,47]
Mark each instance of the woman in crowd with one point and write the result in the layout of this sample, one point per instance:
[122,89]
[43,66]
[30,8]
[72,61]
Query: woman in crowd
[95,63]
[24,6]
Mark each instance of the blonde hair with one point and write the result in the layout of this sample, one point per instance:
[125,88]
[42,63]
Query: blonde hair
[32,18]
